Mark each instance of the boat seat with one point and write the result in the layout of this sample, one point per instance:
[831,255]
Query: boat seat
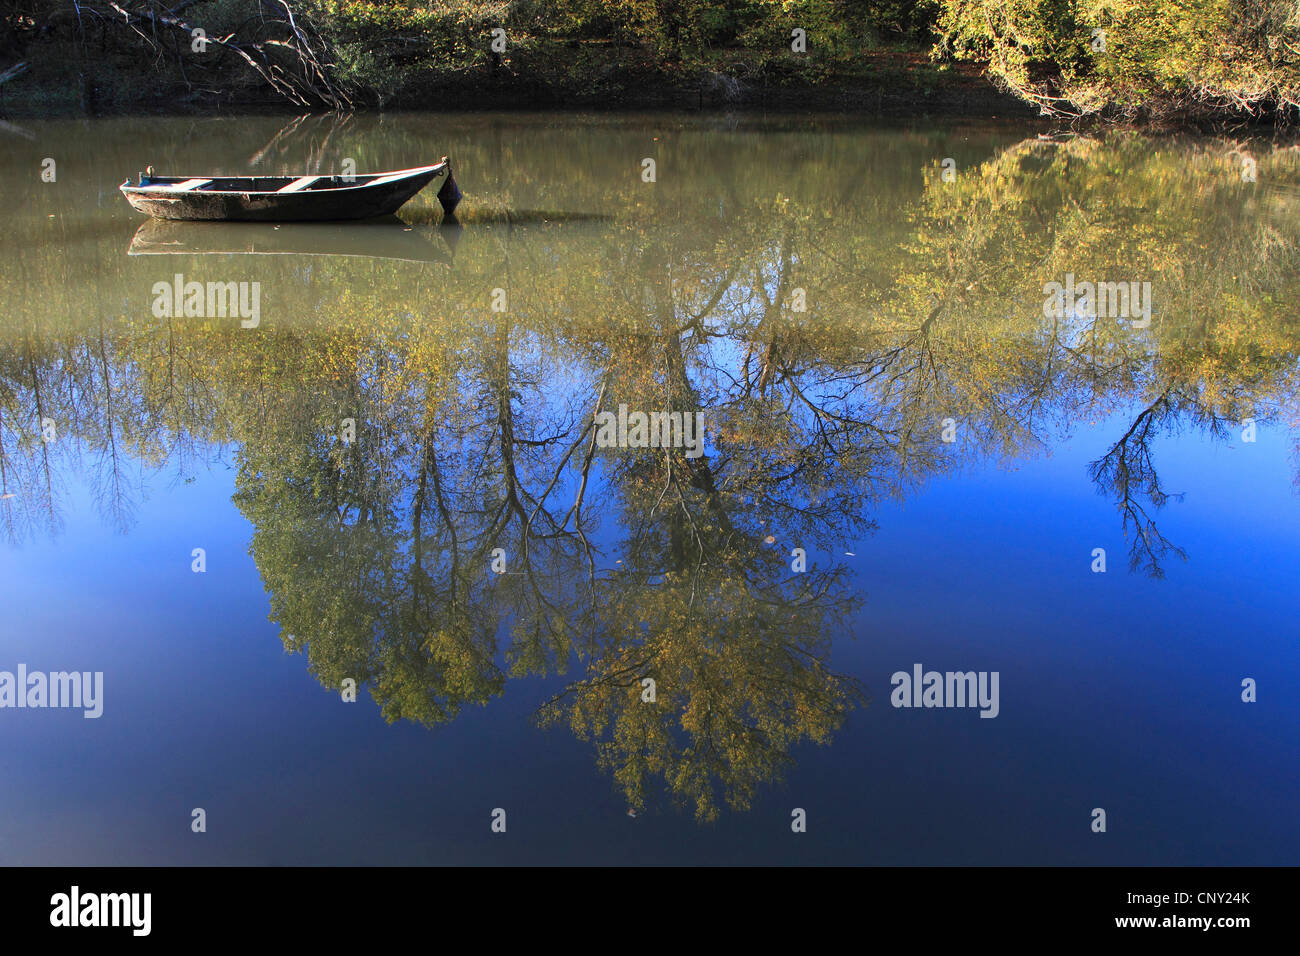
[183,186]
[298,184]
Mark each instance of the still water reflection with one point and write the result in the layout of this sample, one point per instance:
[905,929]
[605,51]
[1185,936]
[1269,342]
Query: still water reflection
[911,453]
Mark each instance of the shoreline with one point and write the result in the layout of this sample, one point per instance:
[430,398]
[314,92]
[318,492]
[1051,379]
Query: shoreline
[887,85]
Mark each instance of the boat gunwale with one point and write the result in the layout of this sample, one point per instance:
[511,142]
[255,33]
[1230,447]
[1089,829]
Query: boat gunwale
[164,190]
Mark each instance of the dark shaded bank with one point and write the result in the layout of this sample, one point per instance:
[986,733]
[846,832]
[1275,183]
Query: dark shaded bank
[883,83]
[1164,62]
[878,82]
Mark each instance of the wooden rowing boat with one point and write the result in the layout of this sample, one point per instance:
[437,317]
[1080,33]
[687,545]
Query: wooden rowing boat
[287,198]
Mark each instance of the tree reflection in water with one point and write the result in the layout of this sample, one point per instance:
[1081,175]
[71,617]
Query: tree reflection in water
[474,440]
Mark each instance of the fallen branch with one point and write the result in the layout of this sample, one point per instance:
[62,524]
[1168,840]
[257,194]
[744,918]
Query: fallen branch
[16,70]
[305,83]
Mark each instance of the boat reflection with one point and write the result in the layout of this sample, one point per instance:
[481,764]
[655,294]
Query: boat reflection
[386,238]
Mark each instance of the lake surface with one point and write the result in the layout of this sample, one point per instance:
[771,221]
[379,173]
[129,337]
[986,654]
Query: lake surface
[894,434]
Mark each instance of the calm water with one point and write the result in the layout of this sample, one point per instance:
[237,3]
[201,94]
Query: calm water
[910,456]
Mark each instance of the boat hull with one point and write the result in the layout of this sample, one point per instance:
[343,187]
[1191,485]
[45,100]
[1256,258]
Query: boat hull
[325,205]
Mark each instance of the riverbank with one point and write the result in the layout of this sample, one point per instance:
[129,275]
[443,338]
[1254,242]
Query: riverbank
[894,58]
[889,83]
